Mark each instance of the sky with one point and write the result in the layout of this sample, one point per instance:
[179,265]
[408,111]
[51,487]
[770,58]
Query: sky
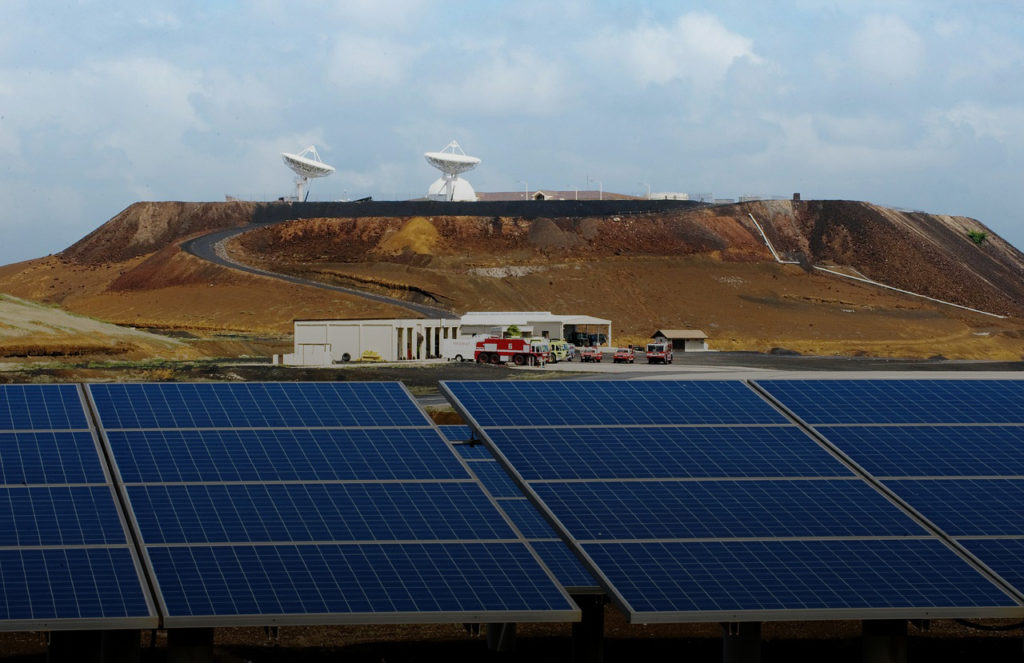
[915,104]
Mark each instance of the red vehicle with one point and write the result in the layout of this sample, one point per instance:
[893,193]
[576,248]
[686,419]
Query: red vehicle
[623,356]
[659,353]
[519,351]
[590,354]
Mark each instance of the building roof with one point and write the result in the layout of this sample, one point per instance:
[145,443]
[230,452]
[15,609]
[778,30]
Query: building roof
[681,334]
[520,318]
[554,194]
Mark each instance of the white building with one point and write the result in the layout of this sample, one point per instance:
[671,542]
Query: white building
[682,340]
[327,342]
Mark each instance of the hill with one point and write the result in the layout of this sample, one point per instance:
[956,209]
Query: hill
[692,267]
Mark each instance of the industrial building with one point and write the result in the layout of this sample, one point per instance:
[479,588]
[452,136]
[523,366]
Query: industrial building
[326,342]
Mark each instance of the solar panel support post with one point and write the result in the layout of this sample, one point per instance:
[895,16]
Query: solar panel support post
[741,642]
[501,637]
[884,641]
[190,645]
[588,633]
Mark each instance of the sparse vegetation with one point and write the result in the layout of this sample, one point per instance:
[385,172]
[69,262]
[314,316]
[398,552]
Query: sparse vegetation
[979,237]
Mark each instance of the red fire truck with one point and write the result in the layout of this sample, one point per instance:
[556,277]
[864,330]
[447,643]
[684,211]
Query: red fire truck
[659,353]
[519,351]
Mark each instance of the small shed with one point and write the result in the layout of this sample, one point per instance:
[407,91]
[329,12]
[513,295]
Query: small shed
[683,340]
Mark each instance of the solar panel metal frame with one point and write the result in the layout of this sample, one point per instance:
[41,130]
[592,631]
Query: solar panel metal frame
[983,571]
[148,621]
[570,614]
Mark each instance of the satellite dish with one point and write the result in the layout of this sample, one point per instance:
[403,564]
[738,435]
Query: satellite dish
[306,165]
[451,161]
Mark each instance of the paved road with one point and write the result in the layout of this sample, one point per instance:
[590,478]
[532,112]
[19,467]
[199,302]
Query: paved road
[205,247]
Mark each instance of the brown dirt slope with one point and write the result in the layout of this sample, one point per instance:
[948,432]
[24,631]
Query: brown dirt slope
[705,268]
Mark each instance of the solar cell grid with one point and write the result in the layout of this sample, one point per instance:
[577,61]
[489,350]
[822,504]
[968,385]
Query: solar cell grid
[901,401]
[41,407]
[527,518]
[282,455]
[623,403]
[567,568]
[255,405]
[49,457]
[723,509]
[668,578]
[382,579]
[932,450]
[59,516]
[494,478]
[245,513]
[642,452]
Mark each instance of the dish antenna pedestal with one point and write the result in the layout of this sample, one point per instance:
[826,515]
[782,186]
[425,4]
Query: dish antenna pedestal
[451,161]
[306,165]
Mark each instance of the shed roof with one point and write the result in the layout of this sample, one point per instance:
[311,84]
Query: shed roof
[682,334]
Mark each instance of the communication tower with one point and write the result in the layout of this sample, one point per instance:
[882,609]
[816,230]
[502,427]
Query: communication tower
[451,161]
[306,165]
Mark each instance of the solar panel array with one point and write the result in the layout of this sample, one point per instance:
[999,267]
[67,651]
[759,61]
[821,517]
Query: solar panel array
[951,449]
[307,503]
[65,557]
[699,501]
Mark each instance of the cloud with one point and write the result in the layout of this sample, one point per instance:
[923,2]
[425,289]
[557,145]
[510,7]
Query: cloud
[695,49]
[519,83]
[885,47]
[359,61]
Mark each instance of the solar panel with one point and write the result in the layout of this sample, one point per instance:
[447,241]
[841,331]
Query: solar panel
[622,452]
[157,456]
[901,401]
[527,518]
[254,405]
[65,557]
[719,580]
[495,479]
[313,503]
[704,504]
[567,568]
[967,507]
[41,407]
[621,403]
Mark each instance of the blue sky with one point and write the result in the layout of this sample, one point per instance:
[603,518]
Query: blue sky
[915,104]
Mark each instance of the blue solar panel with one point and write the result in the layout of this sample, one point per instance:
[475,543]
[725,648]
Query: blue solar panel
[400,579]
[68,584]
[967,507]
[246,513]
[283,455]
[41,407]
[568,570]
[527,518]
[60,457]
[458,433]
[59,516]
[723,509]
[645,452]
[732,576]
[494,478]
[901,401]
[255,405]
[621,403]
[1001,555]
[932,450]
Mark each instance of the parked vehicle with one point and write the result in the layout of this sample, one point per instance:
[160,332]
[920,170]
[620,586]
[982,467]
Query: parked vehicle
[559,350]
[659,353]
[623,356]
[590,354]
[460,349]
[519,351]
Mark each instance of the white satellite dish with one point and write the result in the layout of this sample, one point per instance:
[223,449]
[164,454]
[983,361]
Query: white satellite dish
[307,165]
[451,161]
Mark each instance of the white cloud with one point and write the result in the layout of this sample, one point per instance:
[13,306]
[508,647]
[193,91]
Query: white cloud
[696,49]
[885,47]
[518,83]
[357,60]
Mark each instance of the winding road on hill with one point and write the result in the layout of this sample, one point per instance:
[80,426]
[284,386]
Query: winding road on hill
[208,247]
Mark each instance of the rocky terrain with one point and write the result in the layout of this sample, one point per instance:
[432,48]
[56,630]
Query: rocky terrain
[701,267]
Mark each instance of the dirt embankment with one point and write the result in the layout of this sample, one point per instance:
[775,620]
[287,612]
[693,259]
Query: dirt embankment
[703,267]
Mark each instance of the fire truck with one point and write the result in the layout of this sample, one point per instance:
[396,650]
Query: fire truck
[659,353]
[519,351]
